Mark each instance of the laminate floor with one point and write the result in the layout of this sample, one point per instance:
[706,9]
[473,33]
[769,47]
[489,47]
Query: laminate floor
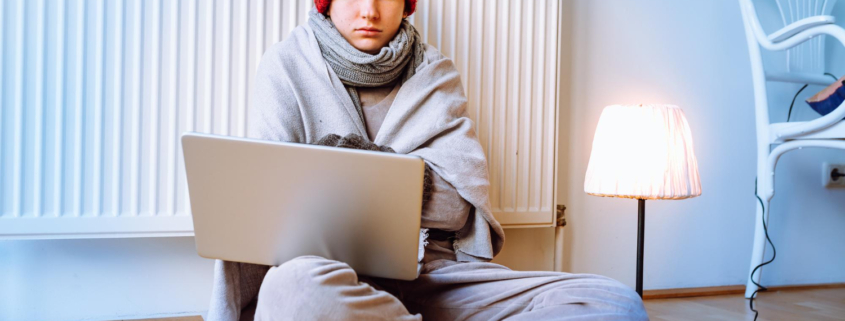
[789,304]
[826,304]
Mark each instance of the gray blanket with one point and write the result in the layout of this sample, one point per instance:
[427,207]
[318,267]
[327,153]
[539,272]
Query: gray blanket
[296,97]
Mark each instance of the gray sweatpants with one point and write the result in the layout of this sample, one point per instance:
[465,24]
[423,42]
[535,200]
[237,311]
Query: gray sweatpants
[314,288]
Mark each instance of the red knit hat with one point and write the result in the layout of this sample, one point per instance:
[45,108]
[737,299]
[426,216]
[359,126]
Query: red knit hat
[323,6]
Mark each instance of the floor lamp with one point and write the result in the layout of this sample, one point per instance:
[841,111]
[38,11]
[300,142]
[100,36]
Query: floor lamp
[643,152]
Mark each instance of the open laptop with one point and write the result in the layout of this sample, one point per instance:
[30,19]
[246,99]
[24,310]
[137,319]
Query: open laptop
[268,202]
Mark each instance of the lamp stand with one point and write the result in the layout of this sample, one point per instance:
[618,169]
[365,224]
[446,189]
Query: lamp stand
[641,203]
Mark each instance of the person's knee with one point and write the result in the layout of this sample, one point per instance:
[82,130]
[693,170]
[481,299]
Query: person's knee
[314,288]
[302,272]
[617,287]
[621,292]
[629,302]
[596,293]
[298,287]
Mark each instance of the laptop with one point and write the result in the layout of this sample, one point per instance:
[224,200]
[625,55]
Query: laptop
[268,202]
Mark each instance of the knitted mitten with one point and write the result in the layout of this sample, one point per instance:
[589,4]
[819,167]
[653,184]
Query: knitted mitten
[354,141]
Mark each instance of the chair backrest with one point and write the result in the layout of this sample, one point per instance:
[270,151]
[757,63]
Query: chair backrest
[796,10]
[807,57]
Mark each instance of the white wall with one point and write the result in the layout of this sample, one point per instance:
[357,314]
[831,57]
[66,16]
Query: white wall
[693,54]
[102,279]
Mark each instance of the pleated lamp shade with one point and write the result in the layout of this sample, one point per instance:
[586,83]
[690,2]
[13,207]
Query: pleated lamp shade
[643,152]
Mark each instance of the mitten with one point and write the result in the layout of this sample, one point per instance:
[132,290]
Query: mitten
[354,141]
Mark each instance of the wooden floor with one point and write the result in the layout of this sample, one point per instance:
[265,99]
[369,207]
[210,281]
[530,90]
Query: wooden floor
[797,304]
[788,304]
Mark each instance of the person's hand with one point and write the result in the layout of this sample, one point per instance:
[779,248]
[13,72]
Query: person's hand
[354,141]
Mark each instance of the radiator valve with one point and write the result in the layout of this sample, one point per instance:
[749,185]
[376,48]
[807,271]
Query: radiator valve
[561,219]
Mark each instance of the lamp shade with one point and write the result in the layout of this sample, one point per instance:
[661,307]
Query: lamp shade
[643,152]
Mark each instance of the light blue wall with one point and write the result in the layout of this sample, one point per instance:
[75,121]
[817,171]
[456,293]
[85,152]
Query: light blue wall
[693,54]
[102,279]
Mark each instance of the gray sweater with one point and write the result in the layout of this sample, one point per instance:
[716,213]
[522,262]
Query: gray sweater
[296,97]
[446,210]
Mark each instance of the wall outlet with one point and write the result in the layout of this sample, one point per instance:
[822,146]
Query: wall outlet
[833,175]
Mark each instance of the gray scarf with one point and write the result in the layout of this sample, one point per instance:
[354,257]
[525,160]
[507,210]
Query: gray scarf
[356,68]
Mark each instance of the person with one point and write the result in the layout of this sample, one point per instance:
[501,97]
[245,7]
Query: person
[359,68]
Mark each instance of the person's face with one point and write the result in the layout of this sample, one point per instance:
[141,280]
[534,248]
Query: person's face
[368,25]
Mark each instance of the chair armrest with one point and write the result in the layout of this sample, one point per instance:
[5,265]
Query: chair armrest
[812,126]
[807,33]
[800,25]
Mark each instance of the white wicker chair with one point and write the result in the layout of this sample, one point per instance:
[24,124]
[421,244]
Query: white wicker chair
[806,22]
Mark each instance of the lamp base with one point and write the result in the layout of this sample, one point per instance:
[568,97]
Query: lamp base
[641,228]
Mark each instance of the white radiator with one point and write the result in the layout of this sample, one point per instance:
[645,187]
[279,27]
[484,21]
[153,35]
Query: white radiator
[94,95]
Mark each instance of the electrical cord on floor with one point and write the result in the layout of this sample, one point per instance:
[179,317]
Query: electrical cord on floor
[789,115]
[774,254]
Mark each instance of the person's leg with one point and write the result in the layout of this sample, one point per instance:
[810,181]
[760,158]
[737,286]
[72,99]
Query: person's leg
[314,288]
[487,291]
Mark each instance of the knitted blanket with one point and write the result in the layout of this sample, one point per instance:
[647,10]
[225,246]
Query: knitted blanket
[296,97]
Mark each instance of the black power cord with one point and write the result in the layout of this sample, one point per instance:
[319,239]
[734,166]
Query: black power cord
[774,254]
[835,175]
[789,115]
[765,226]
